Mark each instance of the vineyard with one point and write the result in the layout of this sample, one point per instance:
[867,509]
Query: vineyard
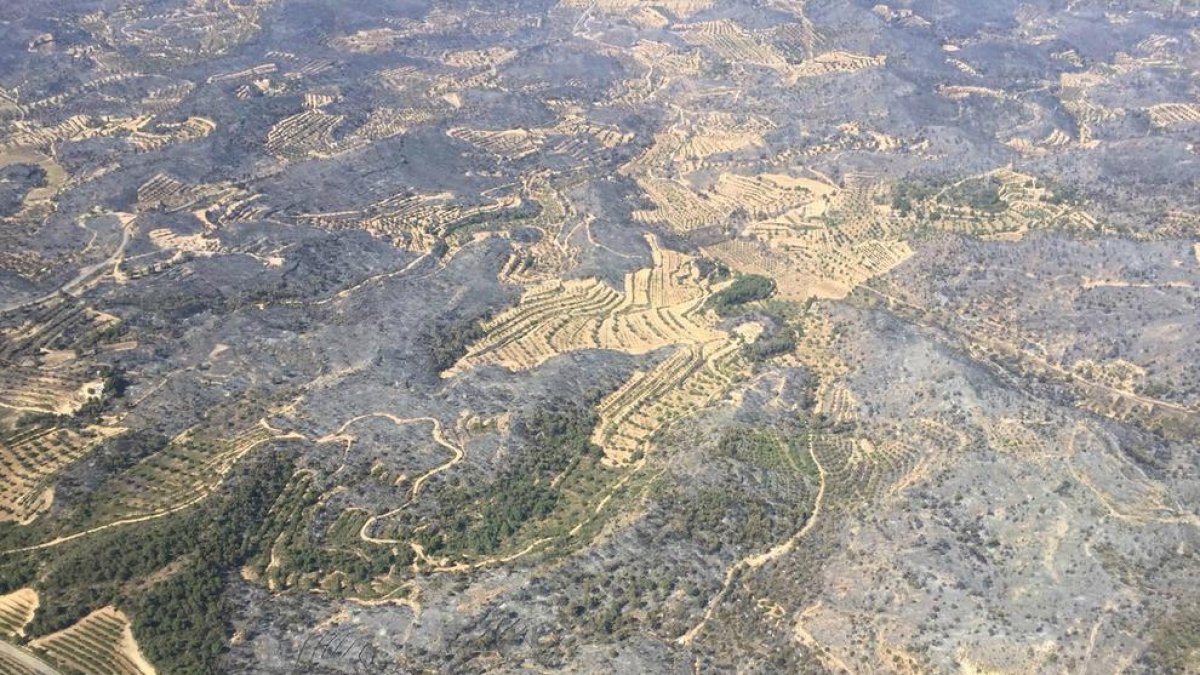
[168,194]
[676,206]
[1170,115]
[682,384]
[681,8]
[552,254]
[860,471]
[730,42]
[101,643]
[660,306]
[836,402]
[141,133]
[32,458]
[412,222]
[308,134]
[508,144]
[807,263]
[681,208]
[479,58]
[55,325]
[12,664]
[187,470]
[16,611]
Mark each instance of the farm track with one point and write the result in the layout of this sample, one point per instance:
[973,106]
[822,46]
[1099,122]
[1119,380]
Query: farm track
[757,560]
[457,455]
[199,497]
[87,273]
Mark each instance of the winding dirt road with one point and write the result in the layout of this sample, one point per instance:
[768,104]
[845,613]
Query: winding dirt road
[759,559]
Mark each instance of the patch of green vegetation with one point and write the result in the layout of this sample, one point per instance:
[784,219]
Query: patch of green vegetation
[770,449]
[547,492]
[979,194]
[784,328]
[908,196]
[1059,193]
[296,555]
[619,603]
[1175,642]
[121,452]
[90,341]
[166,574]
[744,289]
[531,488]
[459,232]
[718,272]
[743,510]
[515,501]
[449,342]
[778,342]
[715,518]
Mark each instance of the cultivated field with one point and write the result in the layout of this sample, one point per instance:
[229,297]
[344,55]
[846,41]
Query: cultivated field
[659,306]
[31,459]
[16,611]
[186,471]
[99,644]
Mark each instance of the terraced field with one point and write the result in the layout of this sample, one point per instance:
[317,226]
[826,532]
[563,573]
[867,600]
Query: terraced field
[16,611]
[809,263]
[772,336]
[510,144]
[731,42]
[31,460]
[99,644]
[660,306]
[682,384]
[553,253]
[63,391]
[414,222]
[683,8]
[167,193]
[190,467]
[55,325]
[1026,205]
[1175,114]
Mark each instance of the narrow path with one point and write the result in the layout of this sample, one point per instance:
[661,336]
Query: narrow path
[86,273]
[419,482]
[151,516]
[347,292]
[758,560]
[128,521]
[824,655]
[1087,656]
[435,566]
[1110,504]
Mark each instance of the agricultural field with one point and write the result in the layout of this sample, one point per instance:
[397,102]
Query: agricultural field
[101,642]
[16,611]
[596,336]
[32,458]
